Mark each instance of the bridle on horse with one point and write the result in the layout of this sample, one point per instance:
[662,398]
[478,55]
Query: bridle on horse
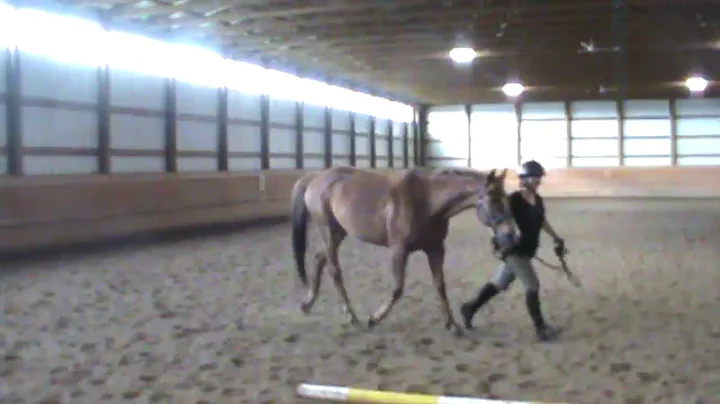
[501,248]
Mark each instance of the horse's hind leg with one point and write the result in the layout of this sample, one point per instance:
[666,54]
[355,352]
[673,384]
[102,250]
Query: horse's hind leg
[435,257]
[320,262]
[334,239]
[399,263]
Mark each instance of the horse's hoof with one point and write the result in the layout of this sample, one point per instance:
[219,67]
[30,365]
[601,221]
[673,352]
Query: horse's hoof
[372,322]
[455,328]
[305,308]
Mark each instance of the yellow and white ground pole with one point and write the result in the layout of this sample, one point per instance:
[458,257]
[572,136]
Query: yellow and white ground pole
[358,396]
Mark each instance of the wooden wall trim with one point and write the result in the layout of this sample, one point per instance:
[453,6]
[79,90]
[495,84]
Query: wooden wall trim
[43,211]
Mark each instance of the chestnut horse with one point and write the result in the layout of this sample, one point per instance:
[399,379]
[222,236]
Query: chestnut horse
[405,211]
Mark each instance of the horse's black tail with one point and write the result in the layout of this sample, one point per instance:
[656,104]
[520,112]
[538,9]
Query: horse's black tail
[299,216]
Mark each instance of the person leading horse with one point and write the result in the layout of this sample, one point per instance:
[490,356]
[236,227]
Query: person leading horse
[528,209]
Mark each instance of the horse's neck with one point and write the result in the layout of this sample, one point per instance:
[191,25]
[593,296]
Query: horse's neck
[452,204]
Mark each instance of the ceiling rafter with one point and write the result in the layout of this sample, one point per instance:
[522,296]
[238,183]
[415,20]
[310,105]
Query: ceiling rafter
[401,47]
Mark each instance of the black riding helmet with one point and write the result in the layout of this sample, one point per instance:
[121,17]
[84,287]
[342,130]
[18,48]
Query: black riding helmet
[531,169]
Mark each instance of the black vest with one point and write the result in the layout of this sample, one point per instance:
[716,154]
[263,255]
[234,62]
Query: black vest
[530,219]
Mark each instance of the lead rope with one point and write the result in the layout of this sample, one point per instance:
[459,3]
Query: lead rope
[560,252]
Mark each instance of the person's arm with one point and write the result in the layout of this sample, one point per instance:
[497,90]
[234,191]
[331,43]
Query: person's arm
[549,230]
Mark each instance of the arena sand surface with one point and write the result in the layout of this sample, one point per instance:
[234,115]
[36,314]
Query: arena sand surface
[216,320]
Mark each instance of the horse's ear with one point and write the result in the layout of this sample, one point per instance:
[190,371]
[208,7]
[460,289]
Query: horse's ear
[503,174]
[491,176]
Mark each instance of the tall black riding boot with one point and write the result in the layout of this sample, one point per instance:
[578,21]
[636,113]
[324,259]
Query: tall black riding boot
[544,332]
[468,310]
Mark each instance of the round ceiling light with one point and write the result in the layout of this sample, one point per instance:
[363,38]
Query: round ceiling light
[513,89]
[696,84]
[462,55]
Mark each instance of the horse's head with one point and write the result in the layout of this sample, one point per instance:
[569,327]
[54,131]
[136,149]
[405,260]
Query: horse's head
[494,212]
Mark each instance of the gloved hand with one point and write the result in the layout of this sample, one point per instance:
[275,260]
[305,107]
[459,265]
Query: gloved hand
[560,249]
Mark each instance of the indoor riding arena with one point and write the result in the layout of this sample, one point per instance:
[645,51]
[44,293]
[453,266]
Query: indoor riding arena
[148,150]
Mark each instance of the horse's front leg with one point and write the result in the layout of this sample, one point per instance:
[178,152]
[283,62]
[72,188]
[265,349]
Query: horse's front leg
[399,262]
[435,257]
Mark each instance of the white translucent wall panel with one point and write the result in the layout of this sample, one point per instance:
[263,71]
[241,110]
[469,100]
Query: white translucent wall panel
[697,107]
[412,146]
[362,140]
[244,163]
[341,140]
[647,138]
[544,141]
[243,131]
[341,145]
[698,127]
[398,156]
[698,146]
[646,108]
[3,121]
[314,162]
[595,129]
[595,147]
[382,143]
[699,161]
[197,163]
[398,129]
[137,104]
[543,111]
[448,131]
[196,125]
[3,72]
[282,140]
[595,162]
[196,100]
[59,113]
[397,135]
[54,165]
[57,127]
[314,136]
[282,112]
[646,147]
[134,90]
[340,121]
[45,79]
[593,109]
[282,163]
[647,161]
[341,160]
[314,117]
[129,164]
[362,162]
[381,138]
[197,135]
[494,132]
[647,128]
[281,136]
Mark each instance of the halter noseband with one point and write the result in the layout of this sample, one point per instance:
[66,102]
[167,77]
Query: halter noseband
[501,248]
[488,218]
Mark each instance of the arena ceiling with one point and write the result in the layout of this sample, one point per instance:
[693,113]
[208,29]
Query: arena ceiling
[398,49]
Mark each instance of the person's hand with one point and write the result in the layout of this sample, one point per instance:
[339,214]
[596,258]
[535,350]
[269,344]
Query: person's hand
[560,246]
